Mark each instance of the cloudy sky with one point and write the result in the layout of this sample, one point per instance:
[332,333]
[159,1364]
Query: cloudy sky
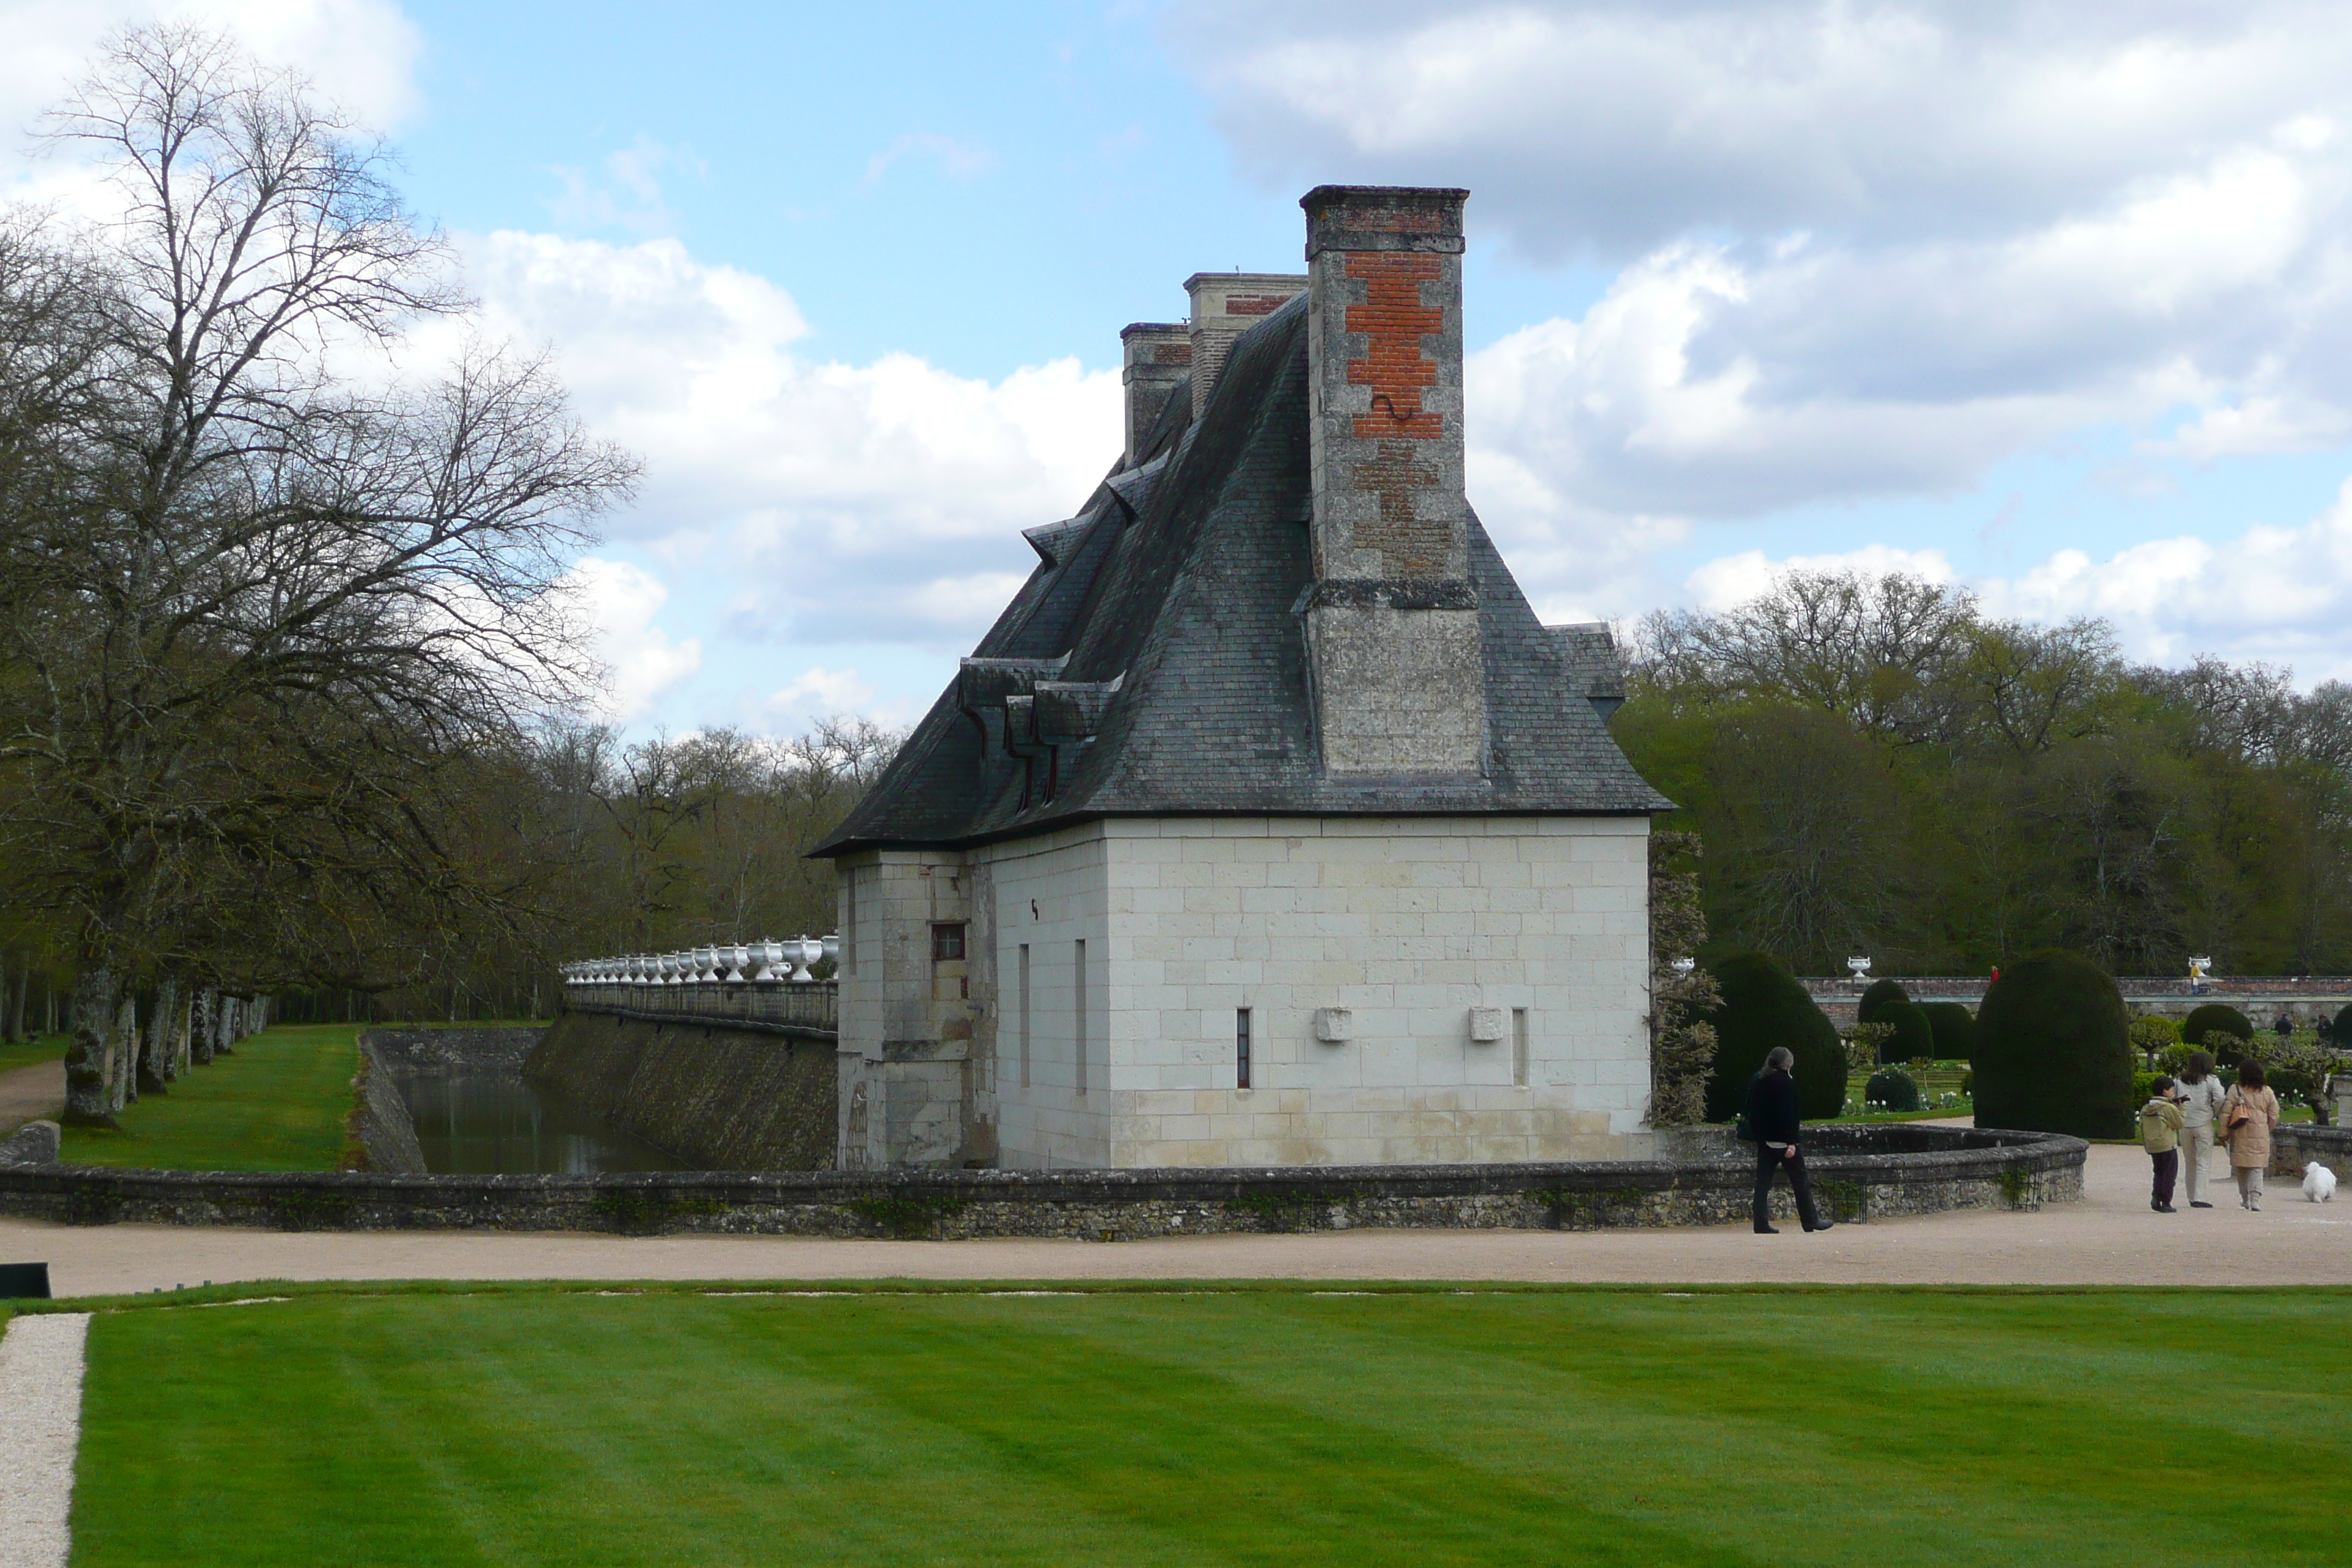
[2055,300]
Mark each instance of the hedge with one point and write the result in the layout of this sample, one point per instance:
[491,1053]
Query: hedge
[1763,1006]
[1955,1030]
[1914,1035]
[2053,1051]
[1881,994]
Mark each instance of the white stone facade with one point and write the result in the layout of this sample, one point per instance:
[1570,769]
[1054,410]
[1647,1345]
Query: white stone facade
[1487,979]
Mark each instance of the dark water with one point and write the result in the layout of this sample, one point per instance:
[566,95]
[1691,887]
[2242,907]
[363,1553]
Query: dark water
[481,1121]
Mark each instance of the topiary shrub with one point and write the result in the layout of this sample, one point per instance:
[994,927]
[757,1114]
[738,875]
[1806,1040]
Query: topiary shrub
[1912,1037]
[1955,1028]
[2213,1016]
[2151,1034]
[2343,1029]
[1968,1084]
[1881,993]
[2052,1050]
[1763,1005]
[1891,1088]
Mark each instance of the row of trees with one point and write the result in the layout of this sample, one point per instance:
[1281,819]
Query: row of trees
[1876,765]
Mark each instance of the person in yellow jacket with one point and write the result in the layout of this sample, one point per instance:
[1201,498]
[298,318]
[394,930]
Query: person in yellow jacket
[2159,1133]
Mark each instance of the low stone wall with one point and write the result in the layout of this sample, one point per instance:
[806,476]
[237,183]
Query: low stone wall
[1861,1173]
[505,1046]
[725,1098]
[2295,1144]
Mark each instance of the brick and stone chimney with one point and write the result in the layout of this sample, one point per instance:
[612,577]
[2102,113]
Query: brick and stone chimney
[1224,306]
[1392,617]
[1159,354]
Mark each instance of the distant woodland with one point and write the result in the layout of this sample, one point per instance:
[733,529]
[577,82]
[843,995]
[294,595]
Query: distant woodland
[1875,766]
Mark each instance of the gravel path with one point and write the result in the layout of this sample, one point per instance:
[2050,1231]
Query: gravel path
[40,1425]
[30,1094]
[2109,1238]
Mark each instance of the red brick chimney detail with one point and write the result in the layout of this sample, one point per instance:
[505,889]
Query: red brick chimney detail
[1395,367]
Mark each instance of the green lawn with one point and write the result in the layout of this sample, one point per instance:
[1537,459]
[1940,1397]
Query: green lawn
[527,1425]
[41,1048]
[280,1103]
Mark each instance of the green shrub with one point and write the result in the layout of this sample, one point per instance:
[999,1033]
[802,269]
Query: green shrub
[2053,1054]
[2214,1015]
[1912,1037]
[1880,995]
[1968,1084]
[2152,1033]
[2342,1032]
[1891,1088]
[1955,1028]
[2144,1086]
[1763,1006]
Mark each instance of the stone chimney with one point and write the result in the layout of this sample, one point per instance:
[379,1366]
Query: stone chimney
[1224,306]
[1392,617]
[1159,355]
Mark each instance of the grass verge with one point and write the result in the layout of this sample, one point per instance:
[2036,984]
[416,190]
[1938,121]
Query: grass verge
[1254,1424]
[280,1103]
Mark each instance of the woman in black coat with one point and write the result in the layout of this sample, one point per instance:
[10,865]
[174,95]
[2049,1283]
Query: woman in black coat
[1773,1119]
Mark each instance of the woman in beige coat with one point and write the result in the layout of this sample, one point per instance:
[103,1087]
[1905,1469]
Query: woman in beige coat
[2246,1118]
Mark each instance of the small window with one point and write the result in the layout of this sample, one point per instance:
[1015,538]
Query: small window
[947,942]
[1241,1047]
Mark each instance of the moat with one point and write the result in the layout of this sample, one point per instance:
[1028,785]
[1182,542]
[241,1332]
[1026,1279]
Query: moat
[485,1119]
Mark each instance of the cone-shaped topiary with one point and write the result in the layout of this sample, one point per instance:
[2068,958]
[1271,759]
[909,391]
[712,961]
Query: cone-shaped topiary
[2213,1016]
[1912,1037]
[1891,1088]
[1763,1005]
[1881,993]
[1955,1030]
[2052,1050]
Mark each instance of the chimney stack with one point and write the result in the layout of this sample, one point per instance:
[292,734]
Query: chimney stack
[1224,306]
[1393,618]
[1159,354]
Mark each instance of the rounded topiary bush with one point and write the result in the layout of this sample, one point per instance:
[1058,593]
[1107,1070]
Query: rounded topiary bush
[2053,1054]
[1881,995]
[1955,1028]
[1763,1005]
[2343,1029]
[2212,1016]
[1890,1088]
[1914,1036]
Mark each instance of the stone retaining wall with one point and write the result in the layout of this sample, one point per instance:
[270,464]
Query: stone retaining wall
[726,1098]
[2296,1143]
[503,1046]
[381,1122]
[1861,1172]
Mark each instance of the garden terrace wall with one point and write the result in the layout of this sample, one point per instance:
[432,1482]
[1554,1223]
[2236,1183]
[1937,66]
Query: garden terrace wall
[2307,999]
[2296,1143]
[1861,1173]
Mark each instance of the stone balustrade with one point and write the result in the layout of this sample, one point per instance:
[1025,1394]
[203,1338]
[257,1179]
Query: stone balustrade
[764,985]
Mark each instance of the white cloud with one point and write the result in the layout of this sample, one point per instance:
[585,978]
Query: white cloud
[628,195]
[875,502]
[1731,580]
[643,665]
[1863,251]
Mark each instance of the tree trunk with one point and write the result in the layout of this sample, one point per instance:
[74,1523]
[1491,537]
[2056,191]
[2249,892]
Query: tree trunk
[122,1065]
[16,1006]
[200,1030]
[224,1027]
[159,1053]
[87,1090]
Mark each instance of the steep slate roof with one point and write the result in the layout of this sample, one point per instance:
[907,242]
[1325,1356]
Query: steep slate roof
[1179,581]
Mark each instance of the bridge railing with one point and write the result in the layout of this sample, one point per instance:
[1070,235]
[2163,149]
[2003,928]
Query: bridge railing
[766,985]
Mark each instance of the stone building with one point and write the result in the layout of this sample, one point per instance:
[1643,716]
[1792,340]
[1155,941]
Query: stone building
[1267,826]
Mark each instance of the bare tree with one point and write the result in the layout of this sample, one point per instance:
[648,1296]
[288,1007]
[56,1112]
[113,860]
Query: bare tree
[255,610]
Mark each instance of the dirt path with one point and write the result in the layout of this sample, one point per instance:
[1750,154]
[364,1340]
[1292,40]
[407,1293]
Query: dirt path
[31,1093]
[2109,1238]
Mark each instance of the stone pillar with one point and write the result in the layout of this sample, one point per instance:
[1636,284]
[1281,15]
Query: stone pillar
[1158,355]
[1393,618]
[1224,306]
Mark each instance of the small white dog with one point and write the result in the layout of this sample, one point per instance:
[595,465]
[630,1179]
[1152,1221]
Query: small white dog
[2318,1183]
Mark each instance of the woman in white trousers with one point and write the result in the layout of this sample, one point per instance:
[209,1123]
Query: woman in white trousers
[2202,1093]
